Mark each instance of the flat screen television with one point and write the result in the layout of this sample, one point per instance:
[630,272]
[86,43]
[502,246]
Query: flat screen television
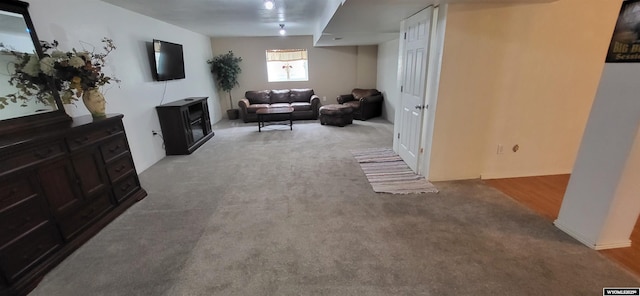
[168,61]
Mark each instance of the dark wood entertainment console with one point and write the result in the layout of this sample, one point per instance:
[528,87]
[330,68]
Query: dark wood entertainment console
[185,125]
[58,188]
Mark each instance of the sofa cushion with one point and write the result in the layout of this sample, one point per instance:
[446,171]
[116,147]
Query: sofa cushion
[353,104]
[335,110]
[301,95]
[300,106]
[279,96]
[257,96]
[280,105]
[254,107]
[359,93]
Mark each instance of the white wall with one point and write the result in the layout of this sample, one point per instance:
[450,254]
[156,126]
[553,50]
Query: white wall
[83,23]
[601,205]
[387,78]
[521,74]
[366,66]
[332,70]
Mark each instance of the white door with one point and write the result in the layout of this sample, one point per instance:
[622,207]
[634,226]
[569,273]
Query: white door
[417,35]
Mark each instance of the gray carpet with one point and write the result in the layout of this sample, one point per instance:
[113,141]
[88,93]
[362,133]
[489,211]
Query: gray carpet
[290,213]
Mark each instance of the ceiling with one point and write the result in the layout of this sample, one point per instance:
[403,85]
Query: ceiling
[357,22]
[331,22]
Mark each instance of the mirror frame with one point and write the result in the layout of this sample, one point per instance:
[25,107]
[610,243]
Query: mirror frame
[25,123]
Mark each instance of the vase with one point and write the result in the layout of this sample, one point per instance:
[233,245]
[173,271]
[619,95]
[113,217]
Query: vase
[95,102]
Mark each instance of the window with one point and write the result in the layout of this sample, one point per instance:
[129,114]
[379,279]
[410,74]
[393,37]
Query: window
[287,65]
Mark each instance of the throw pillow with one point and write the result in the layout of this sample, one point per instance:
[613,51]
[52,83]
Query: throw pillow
[279,96]
[257,96]
[301,95]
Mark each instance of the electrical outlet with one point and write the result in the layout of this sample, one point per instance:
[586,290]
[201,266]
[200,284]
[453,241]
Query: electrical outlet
[500,149]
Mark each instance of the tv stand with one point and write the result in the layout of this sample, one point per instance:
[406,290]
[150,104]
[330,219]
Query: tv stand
[185,125]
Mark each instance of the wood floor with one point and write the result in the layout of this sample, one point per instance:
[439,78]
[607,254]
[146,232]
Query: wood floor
[543,194]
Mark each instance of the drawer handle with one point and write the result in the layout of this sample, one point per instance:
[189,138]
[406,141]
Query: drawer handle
[122,167]
[112,130]
[81,140]
[114,149]
[125,186]
[44,153]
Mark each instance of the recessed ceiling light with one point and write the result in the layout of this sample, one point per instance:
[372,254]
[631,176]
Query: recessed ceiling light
[268,4]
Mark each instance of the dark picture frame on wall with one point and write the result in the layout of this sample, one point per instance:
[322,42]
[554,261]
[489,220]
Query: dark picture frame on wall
[625,42]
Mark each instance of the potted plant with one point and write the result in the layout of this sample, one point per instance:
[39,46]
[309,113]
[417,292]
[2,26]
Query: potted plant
[226,68]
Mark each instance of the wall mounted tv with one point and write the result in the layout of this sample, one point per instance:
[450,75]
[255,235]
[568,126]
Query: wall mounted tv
[168,61]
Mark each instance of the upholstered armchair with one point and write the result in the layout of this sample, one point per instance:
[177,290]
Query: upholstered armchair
[366,103]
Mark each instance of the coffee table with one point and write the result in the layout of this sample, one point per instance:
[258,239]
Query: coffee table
[265,113]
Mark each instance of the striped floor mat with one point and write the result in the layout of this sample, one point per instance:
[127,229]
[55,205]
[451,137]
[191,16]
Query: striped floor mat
[386,172]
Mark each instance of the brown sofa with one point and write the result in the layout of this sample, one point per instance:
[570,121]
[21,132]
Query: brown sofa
[366,103]
[304,102]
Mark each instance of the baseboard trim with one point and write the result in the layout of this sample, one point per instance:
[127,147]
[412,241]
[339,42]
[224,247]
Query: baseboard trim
[624,244]
[575,235]
[588,243]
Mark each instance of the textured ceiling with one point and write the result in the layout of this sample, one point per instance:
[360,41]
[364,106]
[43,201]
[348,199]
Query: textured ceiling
[332,22]
[231,17]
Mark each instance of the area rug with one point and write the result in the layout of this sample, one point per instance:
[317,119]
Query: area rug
[388,173]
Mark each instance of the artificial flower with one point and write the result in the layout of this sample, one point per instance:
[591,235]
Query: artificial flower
[76,62]
[47,66]
[32,67]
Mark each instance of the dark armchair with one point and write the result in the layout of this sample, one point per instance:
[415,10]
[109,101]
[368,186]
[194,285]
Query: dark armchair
[366,103]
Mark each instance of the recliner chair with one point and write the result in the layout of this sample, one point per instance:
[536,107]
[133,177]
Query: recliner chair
[366,103]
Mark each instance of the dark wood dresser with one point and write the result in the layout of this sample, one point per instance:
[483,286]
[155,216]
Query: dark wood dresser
[58,188]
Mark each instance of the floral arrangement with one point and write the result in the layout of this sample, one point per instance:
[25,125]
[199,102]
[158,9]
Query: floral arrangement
[70,73]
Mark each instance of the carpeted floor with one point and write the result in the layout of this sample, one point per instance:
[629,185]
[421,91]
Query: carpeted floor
[291,213]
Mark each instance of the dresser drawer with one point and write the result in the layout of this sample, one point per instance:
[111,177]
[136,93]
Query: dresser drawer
[83,216]
[124,188]
[19,256]
[21,218]
[114,148]
[78,140]
[120,167]
[31,156]
[14,190]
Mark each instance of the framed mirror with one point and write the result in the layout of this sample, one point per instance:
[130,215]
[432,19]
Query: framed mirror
[21,110]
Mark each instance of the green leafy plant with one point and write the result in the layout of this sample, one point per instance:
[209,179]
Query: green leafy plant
[226,68]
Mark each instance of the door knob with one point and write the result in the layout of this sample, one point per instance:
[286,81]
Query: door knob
[418,106]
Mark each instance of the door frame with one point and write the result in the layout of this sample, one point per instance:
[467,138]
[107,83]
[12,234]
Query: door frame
[434,66]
